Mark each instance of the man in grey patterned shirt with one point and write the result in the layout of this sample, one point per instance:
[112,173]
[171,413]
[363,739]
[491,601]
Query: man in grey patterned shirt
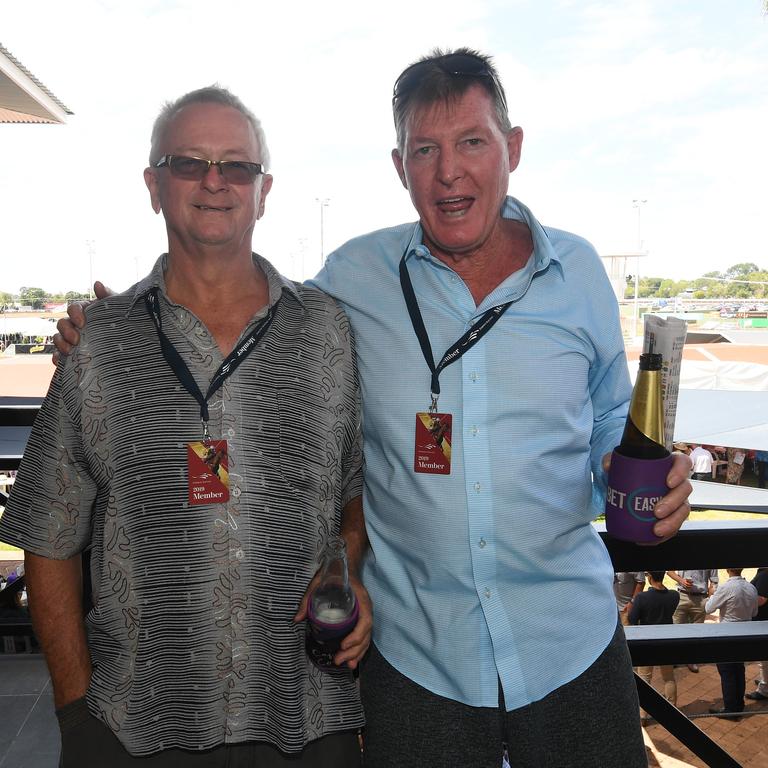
[193,653]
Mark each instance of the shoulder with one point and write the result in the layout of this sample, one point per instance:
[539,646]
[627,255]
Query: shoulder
[326,312]
[363,267]
[390,241]
[569,242]
[367,256]
[318,302]
[760,582]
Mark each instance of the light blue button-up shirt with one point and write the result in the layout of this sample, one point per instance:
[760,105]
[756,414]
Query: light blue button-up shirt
[493,572]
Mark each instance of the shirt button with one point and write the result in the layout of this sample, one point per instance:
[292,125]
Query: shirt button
[477,487]
[474,431]
[482,543]
[487,592]
[230,432]
[236,492]
[239,554]
[473,376]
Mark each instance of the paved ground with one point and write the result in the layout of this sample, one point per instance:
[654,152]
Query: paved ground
[746,740]
[29,733]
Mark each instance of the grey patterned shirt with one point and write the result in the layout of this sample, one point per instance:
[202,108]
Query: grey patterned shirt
[191,633]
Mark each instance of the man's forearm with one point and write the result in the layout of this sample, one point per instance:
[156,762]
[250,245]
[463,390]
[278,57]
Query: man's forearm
[354,533]
[55,589]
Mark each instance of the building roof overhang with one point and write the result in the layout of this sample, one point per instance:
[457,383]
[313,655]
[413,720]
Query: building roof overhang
[23,98]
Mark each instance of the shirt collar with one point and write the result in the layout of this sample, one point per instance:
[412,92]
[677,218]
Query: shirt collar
[543,252]
[156,279]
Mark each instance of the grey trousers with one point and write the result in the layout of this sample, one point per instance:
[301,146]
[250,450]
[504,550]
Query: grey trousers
[591,722]
[86,742]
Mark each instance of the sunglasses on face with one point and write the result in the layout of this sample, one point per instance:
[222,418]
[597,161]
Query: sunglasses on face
[195,168]
[455,64]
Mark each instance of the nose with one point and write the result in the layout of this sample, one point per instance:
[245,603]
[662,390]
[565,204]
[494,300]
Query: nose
[449,166]
[214,179]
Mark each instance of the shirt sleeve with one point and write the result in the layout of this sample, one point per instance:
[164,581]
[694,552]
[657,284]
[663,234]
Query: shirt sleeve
[352,459]
[716,601]
[49,512]
[609,385]
[634,611]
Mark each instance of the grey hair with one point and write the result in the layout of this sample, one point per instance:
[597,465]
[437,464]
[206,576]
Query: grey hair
[212,94]
[428,81]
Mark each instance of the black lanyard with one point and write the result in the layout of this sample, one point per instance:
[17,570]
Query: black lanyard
[456,350]
[225,370]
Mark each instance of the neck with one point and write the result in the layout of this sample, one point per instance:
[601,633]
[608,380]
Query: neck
[224,293]
[213,279]
[484,269]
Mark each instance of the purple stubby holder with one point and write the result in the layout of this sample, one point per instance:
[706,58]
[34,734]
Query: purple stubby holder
[634,488]
[324,638]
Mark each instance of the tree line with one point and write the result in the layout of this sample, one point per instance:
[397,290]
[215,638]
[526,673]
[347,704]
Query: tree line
[37,298]
[741,281]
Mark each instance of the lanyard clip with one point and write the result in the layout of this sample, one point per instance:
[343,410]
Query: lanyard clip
[206,433]
[433,405]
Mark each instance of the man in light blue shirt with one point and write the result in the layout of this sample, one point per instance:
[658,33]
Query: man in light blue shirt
[495,618]
[491,395]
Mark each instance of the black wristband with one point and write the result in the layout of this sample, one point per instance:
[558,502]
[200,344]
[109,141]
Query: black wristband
[73,714]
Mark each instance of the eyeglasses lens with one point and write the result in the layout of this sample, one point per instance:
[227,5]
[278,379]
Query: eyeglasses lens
[194,169]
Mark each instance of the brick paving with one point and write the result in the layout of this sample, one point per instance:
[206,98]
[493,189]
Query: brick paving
[745,740]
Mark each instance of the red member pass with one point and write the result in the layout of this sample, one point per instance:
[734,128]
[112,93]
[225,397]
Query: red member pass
[207,474]
[433,443]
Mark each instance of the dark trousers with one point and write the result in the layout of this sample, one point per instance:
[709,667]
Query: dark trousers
[733,682]
[762,471]
[702,475]
[86,742]
[591,722]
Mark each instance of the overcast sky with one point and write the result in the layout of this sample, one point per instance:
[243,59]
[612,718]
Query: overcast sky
[657,100]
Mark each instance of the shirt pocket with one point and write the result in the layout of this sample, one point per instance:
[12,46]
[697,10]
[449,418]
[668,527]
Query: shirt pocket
[311,440]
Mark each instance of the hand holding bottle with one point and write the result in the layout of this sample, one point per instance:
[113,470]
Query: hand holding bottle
[323,590]
[673,510]
[641,468]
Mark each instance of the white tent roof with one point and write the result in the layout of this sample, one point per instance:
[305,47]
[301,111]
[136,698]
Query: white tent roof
[27,326]
[708,495]
[722,417]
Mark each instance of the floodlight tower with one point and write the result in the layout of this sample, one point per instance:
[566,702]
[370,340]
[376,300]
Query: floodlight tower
[638,203]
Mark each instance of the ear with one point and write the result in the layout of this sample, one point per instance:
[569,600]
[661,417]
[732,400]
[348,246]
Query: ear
[153,185]
[397,159]
[514,146]
[266,185]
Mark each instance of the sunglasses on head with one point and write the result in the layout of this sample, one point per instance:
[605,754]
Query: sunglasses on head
[196,168]
[455,64]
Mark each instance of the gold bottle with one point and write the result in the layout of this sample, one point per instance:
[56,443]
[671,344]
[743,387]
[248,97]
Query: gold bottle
[643,436]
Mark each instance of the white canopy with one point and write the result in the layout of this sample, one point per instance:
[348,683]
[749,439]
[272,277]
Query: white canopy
[707,495]
[27,326]
[722,417]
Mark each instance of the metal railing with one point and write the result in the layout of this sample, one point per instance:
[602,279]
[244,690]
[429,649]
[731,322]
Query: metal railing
[700,544]
[707,544]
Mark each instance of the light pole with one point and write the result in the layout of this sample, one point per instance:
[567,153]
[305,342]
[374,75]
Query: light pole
[323,205]
[91,246]
[637,203]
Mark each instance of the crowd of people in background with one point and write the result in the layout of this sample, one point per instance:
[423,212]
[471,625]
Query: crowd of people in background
[715,462]
[690,598]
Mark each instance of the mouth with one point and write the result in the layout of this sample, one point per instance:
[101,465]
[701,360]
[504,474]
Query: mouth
[455,206]
[220,209]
